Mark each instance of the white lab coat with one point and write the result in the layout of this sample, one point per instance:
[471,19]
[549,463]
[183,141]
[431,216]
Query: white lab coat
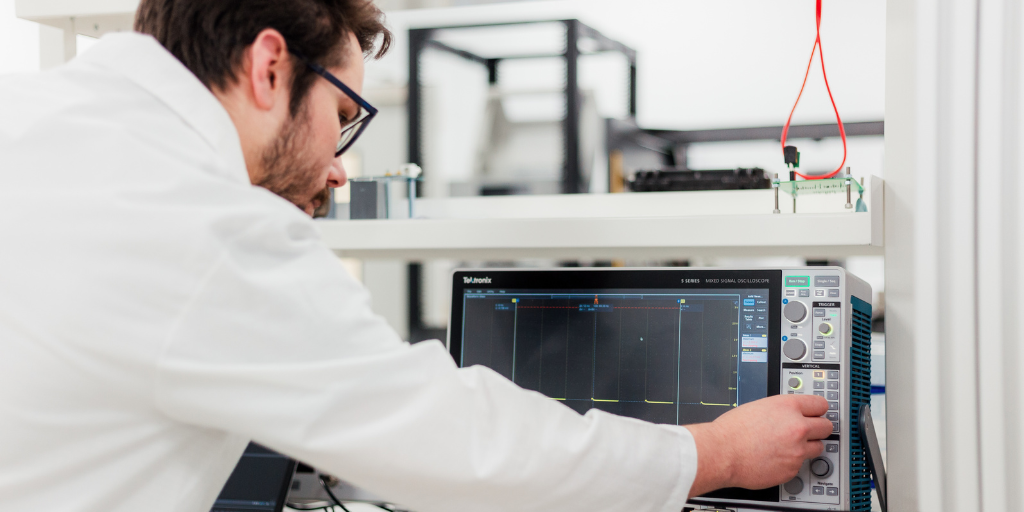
[157,312]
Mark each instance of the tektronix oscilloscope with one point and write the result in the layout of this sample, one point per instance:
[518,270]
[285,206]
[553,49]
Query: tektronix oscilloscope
[683,346]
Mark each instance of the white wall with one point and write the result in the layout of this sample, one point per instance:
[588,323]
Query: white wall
[19,42]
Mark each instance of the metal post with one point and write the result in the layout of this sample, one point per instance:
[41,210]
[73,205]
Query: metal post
[792,177]
[849,178]
[492,71]
[632,89]
[417,42]
[775,185]
[571,171]
[412,197]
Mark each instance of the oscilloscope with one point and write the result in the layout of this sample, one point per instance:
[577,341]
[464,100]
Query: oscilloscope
[682,346]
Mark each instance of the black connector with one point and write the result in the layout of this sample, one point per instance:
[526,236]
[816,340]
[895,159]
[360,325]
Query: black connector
[792,156]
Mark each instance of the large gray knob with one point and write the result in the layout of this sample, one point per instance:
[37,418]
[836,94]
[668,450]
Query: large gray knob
[794,486]
[795,349]
[821,468]
[795,312]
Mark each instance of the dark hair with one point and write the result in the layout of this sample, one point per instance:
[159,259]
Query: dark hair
[210,36]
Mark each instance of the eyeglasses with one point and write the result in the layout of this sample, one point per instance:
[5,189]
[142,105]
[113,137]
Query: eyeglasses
[350,130]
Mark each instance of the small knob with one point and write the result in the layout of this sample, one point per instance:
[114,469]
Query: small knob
[795,312]
[825,328]
[794,486]
[821,467]
[795,382]
[795,349]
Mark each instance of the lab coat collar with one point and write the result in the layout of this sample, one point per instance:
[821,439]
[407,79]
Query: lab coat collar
[143,60]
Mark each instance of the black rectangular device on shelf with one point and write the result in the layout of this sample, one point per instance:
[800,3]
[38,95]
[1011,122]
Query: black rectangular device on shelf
[675,180]
[682,346]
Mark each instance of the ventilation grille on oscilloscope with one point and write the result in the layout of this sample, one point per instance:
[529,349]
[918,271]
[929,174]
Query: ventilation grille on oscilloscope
[860,396]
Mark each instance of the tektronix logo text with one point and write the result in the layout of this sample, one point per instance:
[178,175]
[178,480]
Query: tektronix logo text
[476,280]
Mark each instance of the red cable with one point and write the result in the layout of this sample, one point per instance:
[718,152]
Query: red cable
[842,131]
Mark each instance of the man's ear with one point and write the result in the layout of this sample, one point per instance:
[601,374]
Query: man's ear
[269,69]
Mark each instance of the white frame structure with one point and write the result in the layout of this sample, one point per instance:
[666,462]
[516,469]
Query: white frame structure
[953,279]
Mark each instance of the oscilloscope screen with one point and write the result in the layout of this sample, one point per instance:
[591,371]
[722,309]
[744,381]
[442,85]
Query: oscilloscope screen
[664,356]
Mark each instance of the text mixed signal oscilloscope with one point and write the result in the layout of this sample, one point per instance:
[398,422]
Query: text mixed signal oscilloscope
[683,346]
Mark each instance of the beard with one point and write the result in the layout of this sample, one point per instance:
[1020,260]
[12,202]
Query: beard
[325,200]
[287,171]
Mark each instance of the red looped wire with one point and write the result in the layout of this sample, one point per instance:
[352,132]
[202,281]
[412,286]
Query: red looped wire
[842,131]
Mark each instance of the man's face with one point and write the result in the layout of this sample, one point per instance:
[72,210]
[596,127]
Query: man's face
[299,165]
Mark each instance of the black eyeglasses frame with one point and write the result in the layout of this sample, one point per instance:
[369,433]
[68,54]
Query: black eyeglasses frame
[370,110]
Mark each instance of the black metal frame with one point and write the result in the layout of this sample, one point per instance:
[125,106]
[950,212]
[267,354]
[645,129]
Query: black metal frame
[625,134]
[421,39]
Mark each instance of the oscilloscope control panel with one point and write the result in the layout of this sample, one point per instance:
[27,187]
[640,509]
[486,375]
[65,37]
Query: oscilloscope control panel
[816,350]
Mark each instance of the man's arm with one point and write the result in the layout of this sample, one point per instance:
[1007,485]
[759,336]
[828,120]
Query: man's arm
[280,346]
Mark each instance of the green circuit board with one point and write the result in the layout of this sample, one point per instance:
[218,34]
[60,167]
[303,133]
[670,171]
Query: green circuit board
[826,186]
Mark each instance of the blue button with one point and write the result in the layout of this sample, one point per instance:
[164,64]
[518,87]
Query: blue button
[748,302]
[785,301]
[784,338]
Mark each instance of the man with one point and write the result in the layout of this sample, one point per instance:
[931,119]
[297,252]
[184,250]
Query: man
[163,301]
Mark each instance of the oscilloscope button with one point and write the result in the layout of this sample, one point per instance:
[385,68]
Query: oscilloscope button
[794,486]
[825,328]
[821,467]
[795,382]
[795,312]
[794,349]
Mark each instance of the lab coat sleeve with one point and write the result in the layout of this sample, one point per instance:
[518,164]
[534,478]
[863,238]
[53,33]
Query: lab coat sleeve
[279,345]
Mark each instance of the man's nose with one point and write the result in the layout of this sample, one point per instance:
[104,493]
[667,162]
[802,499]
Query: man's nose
[336,175]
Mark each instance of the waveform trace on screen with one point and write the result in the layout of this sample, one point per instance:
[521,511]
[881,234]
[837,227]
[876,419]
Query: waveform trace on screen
[668,358]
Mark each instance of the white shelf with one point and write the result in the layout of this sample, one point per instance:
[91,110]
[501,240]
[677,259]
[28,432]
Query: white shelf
[42,9]
[636,226]
[86,17]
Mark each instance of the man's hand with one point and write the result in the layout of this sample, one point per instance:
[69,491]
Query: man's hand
[760,444]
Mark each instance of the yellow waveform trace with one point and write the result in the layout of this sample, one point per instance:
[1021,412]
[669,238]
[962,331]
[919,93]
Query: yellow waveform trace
[553,398]
[654,402]
[720,405]
[600,400]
